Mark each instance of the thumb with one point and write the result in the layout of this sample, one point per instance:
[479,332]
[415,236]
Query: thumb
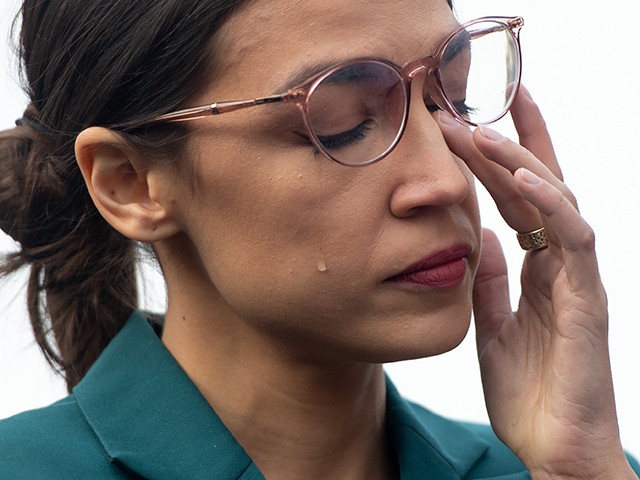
[491,304]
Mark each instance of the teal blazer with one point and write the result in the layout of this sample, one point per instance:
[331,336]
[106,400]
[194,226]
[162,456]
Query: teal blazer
[136,415]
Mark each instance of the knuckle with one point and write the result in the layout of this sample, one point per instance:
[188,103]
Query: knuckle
[587,239]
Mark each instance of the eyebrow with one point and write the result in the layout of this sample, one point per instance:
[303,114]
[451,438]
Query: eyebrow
[308,71]
[305,73]
[456,47]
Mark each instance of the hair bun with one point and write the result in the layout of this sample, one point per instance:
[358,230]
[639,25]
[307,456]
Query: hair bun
[16,152]
[15,145]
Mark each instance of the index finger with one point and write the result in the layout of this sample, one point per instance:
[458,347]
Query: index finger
[532,130]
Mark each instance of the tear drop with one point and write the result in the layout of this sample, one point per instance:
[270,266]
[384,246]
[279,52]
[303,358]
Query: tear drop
[322,265]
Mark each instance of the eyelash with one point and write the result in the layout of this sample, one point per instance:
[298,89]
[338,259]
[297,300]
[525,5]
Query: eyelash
[460,106]
[350,137]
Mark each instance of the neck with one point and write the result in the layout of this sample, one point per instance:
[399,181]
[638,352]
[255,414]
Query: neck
[309,424]
[295,419]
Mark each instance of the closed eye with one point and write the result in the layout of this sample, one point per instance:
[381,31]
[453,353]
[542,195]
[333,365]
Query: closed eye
[350,137]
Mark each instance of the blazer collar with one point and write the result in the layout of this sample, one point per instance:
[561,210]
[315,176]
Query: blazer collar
[150,417]
[152,420]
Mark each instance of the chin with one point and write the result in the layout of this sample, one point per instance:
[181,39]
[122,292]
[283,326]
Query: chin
[419,338]
[425,349]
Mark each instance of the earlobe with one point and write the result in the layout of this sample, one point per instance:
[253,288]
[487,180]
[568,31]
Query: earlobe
[127,189]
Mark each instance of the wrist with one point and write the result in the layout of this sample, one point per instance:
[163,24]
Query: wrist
[623,471]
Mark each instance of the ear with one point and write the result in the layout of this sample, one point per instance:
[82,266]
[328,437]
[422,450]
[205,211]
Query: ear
[130,192]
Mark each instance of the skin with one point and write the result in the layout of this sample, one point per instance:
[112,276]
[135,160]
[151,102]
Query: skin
[276,259]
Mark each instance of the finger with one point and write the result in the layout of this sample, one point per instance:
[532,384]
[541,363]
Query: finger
[512,156]
[497,179]
[532,130]
[568,229]
[491,304]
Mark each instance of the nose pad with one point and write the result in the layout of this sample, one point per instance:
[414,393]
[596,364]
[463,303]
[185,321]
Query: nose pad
[431,90]
[431,175]
[423,77]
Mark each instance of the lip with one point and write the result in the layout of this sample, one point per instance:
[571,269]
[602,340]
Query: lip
[444,269]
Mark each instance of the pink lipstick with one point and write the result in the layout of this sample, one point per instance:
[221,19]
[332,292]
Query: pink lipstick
[444,269]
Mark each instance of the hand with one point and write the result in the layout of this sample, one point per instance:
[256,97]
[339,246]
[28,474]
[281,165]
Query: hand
[545,368]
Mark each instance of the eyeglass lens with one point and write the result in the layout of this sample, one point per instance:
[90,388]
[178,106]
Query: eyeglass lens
[357,112]
[478,70]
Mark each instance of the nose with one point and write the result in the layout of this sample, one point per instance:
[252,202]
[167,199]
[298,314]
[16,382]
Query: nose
[426,172]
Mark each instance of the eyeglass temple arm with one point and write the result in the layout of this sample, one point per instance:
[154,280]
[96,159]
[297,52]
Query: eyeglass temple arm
[219,108]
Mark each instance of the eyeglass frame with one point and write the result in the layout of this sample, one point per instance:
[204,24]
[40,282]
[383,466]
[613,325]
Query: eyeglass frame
[300,94]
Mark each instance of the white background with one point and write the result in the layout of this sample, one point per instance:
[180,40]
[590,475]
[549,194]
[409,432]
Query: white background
[581,64]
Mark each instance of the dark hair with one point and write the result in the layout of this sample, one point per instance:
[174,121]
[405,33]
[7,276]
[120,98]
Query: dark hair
[110,63]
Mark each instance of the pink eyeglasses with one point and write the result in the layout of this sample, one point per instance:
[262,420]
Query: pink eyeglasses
[355,112]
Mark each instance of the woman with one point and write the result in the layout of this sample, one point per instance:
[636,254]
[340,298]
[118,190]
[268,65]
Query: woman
[305,239]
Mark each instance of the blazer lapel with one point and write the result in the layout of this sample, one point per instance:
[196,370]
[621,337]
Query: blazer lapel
[149,416]
[427,445]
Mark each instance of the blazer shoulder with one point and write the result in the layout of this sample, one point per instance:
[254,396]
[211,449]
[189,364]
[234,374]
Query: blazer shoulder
[53,442]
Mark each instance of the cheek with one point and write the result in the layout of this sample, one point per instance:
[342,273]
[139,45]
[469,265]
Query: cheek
[472,214]
[470,204]
[473,208]
[274,237]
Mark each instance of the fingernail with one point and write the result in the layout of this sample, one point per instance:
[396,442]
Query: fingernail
[447,119]
[528,176]
[490,134]
[525,92]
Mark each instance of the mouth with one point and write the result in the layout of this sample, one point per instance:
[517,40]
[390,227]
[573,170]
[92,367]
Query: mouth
[442,270]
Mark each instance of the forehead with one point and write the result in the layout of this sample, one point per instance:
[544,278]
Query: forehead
[267,41]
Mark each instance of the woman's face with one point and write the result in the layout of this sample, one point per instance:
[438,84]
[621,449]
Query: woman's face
[373,263]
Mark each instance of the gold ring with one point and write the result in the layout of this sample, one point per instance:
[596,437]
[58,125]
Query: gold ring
[535,240]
